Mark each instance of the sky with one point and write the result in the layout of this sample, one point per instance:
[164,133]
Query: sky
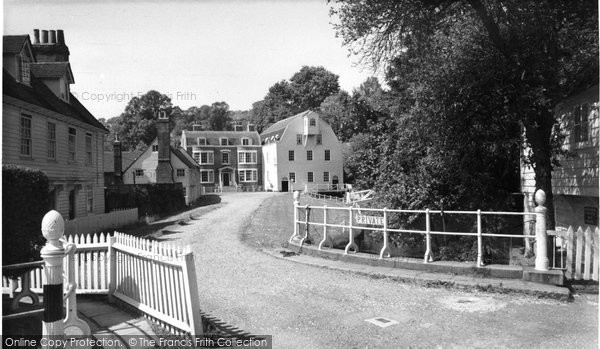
[195,52]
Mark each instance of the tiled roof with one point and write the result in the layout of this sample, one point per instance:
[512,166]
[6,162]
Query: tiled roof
[40,95]
[282,124]
[127,158]
[179,153]
[13,43]
[213,137]
[51,70]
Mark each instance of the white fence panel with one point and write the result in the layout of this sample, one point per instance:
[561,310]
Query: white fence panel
[582,254]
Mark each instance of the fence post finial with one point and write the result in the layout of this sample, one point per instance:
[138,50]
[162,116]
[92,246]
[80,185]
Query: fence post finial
[53,227]
[541,238]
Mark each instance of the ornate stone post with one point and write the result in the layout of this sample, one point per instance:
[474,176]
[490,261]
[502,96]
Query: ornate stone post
[296,203]
[53,228]
[541,239]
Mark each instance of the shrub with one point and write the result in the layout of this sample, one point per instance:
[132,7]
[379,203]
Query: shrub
[25,201]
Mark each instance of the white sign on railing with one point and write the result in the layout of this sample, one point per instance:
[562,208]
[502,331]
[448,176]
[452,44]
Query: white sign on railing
[372,220]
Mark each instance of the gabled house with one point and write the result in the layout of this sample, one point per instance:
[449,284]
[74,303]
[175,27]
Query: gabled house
[45,127]
[163,163]
[302,153]
[229,160]
[575,182]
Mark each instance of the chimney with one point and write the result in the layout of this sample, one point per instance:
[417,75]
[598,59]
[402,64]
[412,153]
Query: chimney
[52,37]
[196,127]
[118,158]
[36,36]
[164,169]
[60,37]
[44,37]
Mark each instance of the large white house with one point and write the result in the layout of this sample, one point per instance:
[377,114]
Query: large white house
[302,153]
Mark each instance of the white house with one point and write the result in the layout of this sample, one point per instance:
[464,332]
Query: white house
[302,153]
[575,182]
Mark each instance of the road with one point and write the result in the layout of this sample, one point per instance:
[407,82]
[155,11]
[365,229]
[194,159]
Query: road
[308,307]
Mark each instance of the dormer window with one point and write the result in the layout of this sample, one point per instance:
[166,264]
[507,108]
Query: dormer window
[224,141]
[24,69]
[313,122]
[245,141]
[201,141]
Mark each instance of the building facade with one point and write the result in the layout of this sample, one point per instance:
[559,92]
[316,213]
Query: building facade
[229,160]
[45,127]
[163,163]
[575,182]
[302,153]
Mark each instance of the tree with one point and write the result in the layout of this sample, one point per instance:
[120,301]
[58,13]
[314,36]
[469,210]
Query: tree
[219,118]
[135,127]
[547,50]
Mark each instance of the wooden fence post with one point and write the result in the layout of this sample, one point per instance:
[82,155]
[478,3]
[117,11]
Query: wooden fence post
[53,253]
[191,292]
[541,238]
[112,268]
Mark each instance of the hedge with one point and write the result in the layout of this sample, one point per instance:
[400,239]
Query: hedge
[25,200]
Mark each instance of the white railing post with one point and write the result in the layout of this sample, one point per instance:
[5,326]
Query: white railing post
[325,241]
[541,253]
[428,256]
[72,319]
[53,226]
[112,268]
[479,241]
[296,203]
[385,250]
[351,243]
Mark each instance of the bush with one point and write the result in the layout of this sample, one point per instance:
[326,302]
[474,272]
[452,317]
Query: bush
[159,199]
[25,201]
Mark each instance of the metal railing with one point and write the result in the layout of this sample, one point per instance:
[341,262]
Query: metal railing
[326,197]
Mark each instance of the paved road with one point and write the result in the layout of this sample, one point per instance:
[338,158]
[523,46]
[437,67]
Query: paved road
[308,307]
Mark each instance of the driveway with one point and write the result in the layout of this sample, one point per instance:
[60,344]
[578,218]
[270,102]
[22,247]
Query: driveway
[308,307]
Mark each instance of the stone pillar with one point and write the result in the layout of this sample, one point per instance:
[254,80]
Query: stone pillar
[541,238]
[53,227]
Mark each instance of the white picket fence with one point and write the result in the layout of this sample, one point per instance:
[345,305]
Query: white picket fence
[583,254]
[156,278]
[102,222]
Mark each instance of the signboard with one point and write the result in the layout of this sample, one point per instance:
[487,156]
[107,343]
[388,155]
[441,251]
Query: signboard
[590,215]
[373,220]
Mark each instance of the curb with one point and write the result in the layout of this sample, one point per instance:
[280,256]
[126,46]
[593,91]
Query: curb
[430,279]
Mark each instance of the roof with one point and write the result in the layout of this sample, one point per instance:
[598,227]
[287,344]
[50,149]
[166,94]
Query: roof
[52,70]
[13,43]
[127,158]
[179,153]
[40,95]
[212,137]
[282,124]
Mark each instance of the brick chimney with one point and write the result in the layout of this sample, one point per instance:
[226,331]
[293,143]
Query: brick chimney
[51,47]
[118,158]
[164,169]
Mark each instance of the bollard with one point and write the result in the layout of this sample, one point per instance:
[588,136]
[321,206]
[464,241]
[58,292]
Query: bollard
[53,227]
[541,238]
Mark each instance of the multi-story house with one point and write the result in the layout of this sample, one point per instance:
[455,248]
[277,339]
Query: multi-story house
[45,127]
[575,182]
[162,163]
[302,153]
[229,160]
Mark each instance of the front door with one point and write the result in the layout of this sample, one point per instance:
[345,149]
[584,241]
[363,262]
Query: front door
[284,186]
[72,204]
[226,179]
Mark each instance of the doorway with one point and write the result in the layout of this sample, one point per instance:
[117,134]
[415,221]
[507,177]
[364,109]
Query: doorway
[72,204]
[284,185]
[226,179]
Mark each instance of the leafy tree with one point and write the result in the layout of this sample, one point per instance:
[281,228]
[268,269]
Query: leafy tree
[219,117]
[547,51]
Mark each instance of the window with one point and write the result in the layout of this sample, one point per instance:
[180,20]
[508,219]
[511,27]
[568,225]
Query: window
[319,139]
[310,177]
[207,176]
[224,141]
[327,155]
[313,122]
[325,176]
[201,141]
[298,138]
[309,155]
[248,175]
[88,148]
[139,172]
[89,190]
[293,177]
[72,143]
[24,69]
[190,141]
[225,158]
[245,141]
[247,157]
[580,117]
[205,157]
[51,135]
[154,148]
[180,172]
[291,155]
[25,135]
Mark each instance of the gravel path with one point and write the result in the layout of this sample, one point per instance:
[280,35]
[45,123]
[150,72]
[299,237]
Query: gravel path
[308,307]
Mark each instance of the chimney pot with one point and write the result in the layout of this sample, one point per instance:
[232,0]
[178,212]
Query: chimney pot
[36,36]
[52,37]
[44,36]
[60,37]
